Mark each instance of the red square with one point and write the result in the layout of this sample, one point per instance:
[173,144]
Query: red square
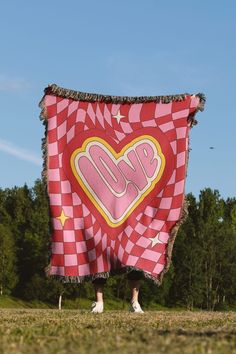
[57,236]
[146,264]
[66,199]
[54,187]
[57,260]
[181,145]
[137,250]
[180,173]
[70,248]
[52,136]
[177,201]
[82,258]
[53,162]
[71,271]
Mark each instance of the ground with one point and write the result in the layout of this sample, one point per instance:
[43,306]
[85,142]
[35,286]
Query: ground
[78,331]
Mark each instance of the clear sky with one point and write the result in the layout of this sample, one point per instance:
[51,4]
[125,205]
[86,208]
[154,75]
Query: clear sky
[124,47]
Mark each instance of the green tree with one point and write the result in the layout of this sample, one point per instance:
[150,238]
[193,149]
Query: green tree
[8,277]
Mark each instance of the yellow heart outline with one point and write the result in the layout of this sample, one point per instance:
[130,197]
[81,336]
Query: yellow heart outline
[117,156]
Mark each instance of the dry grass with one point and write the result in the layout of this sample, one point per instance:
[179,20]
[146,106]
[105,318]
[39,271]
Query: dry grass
[70,331]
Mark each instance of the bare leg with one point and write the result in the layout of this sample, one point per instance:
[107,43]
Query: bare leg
[134,287]
[98,289]
[97,306]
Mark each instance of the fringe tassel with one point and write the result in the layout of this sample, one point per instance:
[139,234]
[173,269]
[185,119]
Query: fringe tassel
[53,89]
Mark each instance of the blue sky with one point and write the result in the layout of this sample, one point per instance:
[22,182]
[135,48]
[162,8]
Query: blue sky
[125,47]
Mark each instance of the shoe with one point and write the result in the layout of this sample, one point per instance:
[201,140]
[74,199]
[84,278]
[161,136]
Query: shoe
[97,307]
[135,307]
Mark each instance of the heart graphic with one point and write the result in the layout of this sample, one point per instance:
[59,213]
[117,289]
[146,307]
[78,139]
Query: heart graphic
[116,181]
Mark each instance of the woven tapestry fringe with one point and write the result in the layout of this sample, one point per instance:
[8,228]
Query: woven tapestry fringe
[53,89]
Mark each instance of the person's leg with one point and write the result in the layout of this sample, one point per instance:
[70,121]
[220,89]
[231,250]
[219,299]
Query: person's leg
[134,278]
[134,287]
[97,305]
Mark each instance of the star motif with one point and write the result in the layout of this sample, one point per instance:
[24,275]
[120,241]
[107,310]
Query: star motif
[118,116]
[155,239]
[63,217]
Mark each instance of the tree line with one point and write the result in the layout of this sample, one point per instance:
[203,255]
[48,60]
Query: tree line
[202,274]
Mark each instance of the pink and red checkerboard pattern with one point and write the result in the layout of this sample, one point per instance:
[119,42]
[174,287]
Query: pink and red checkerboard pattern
[80,246]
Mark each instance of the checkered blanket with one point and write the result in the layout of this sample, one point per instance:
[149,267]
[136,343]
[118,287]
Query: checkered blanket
[115,170]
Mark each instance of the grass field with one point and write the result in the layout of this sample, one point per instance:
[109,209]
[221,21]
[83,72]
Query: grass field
[71,331]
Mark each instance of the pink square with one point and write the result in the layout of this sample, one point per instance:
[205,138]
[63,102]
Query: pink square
[181,114]
[68,210]
[70,135]
[62,105]
[53,174]
[70,260]
[104,242]
[100,264]
[129,246]
[60,160]
[181,132]
[84,269]
[120,253]
[194,101]
[150,211]
[65,187]
[92,255]
[76,199]
[132,260]
[90,112]
[53,149]
[97,239]
[174,146]
[69,236]
[179,188]
[162,109]
[164,237]
[134,112]
[114,109]
[50,100]
[167,126]
[150,254]
[181,159]
[107,114]
[143,242]
[128,230]
[165,203]
[55,199]
[81,114]
[149,123]
[57,248]
[172,179]
[56,224]
[72,107]
[157,224]
[61,130]
[140,228]
[78,223]
[126,127]
[52,123]
[174,214]
[158,268]
[57,270]
[81,247]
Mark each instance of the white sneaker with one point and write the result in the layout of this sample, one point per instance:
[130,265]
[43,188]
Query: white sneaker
[97,307]
[135,307]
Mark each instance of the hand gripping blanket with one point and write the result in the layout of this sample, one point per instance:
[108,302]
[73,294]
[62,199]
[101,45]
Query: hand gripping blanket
[115,170]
